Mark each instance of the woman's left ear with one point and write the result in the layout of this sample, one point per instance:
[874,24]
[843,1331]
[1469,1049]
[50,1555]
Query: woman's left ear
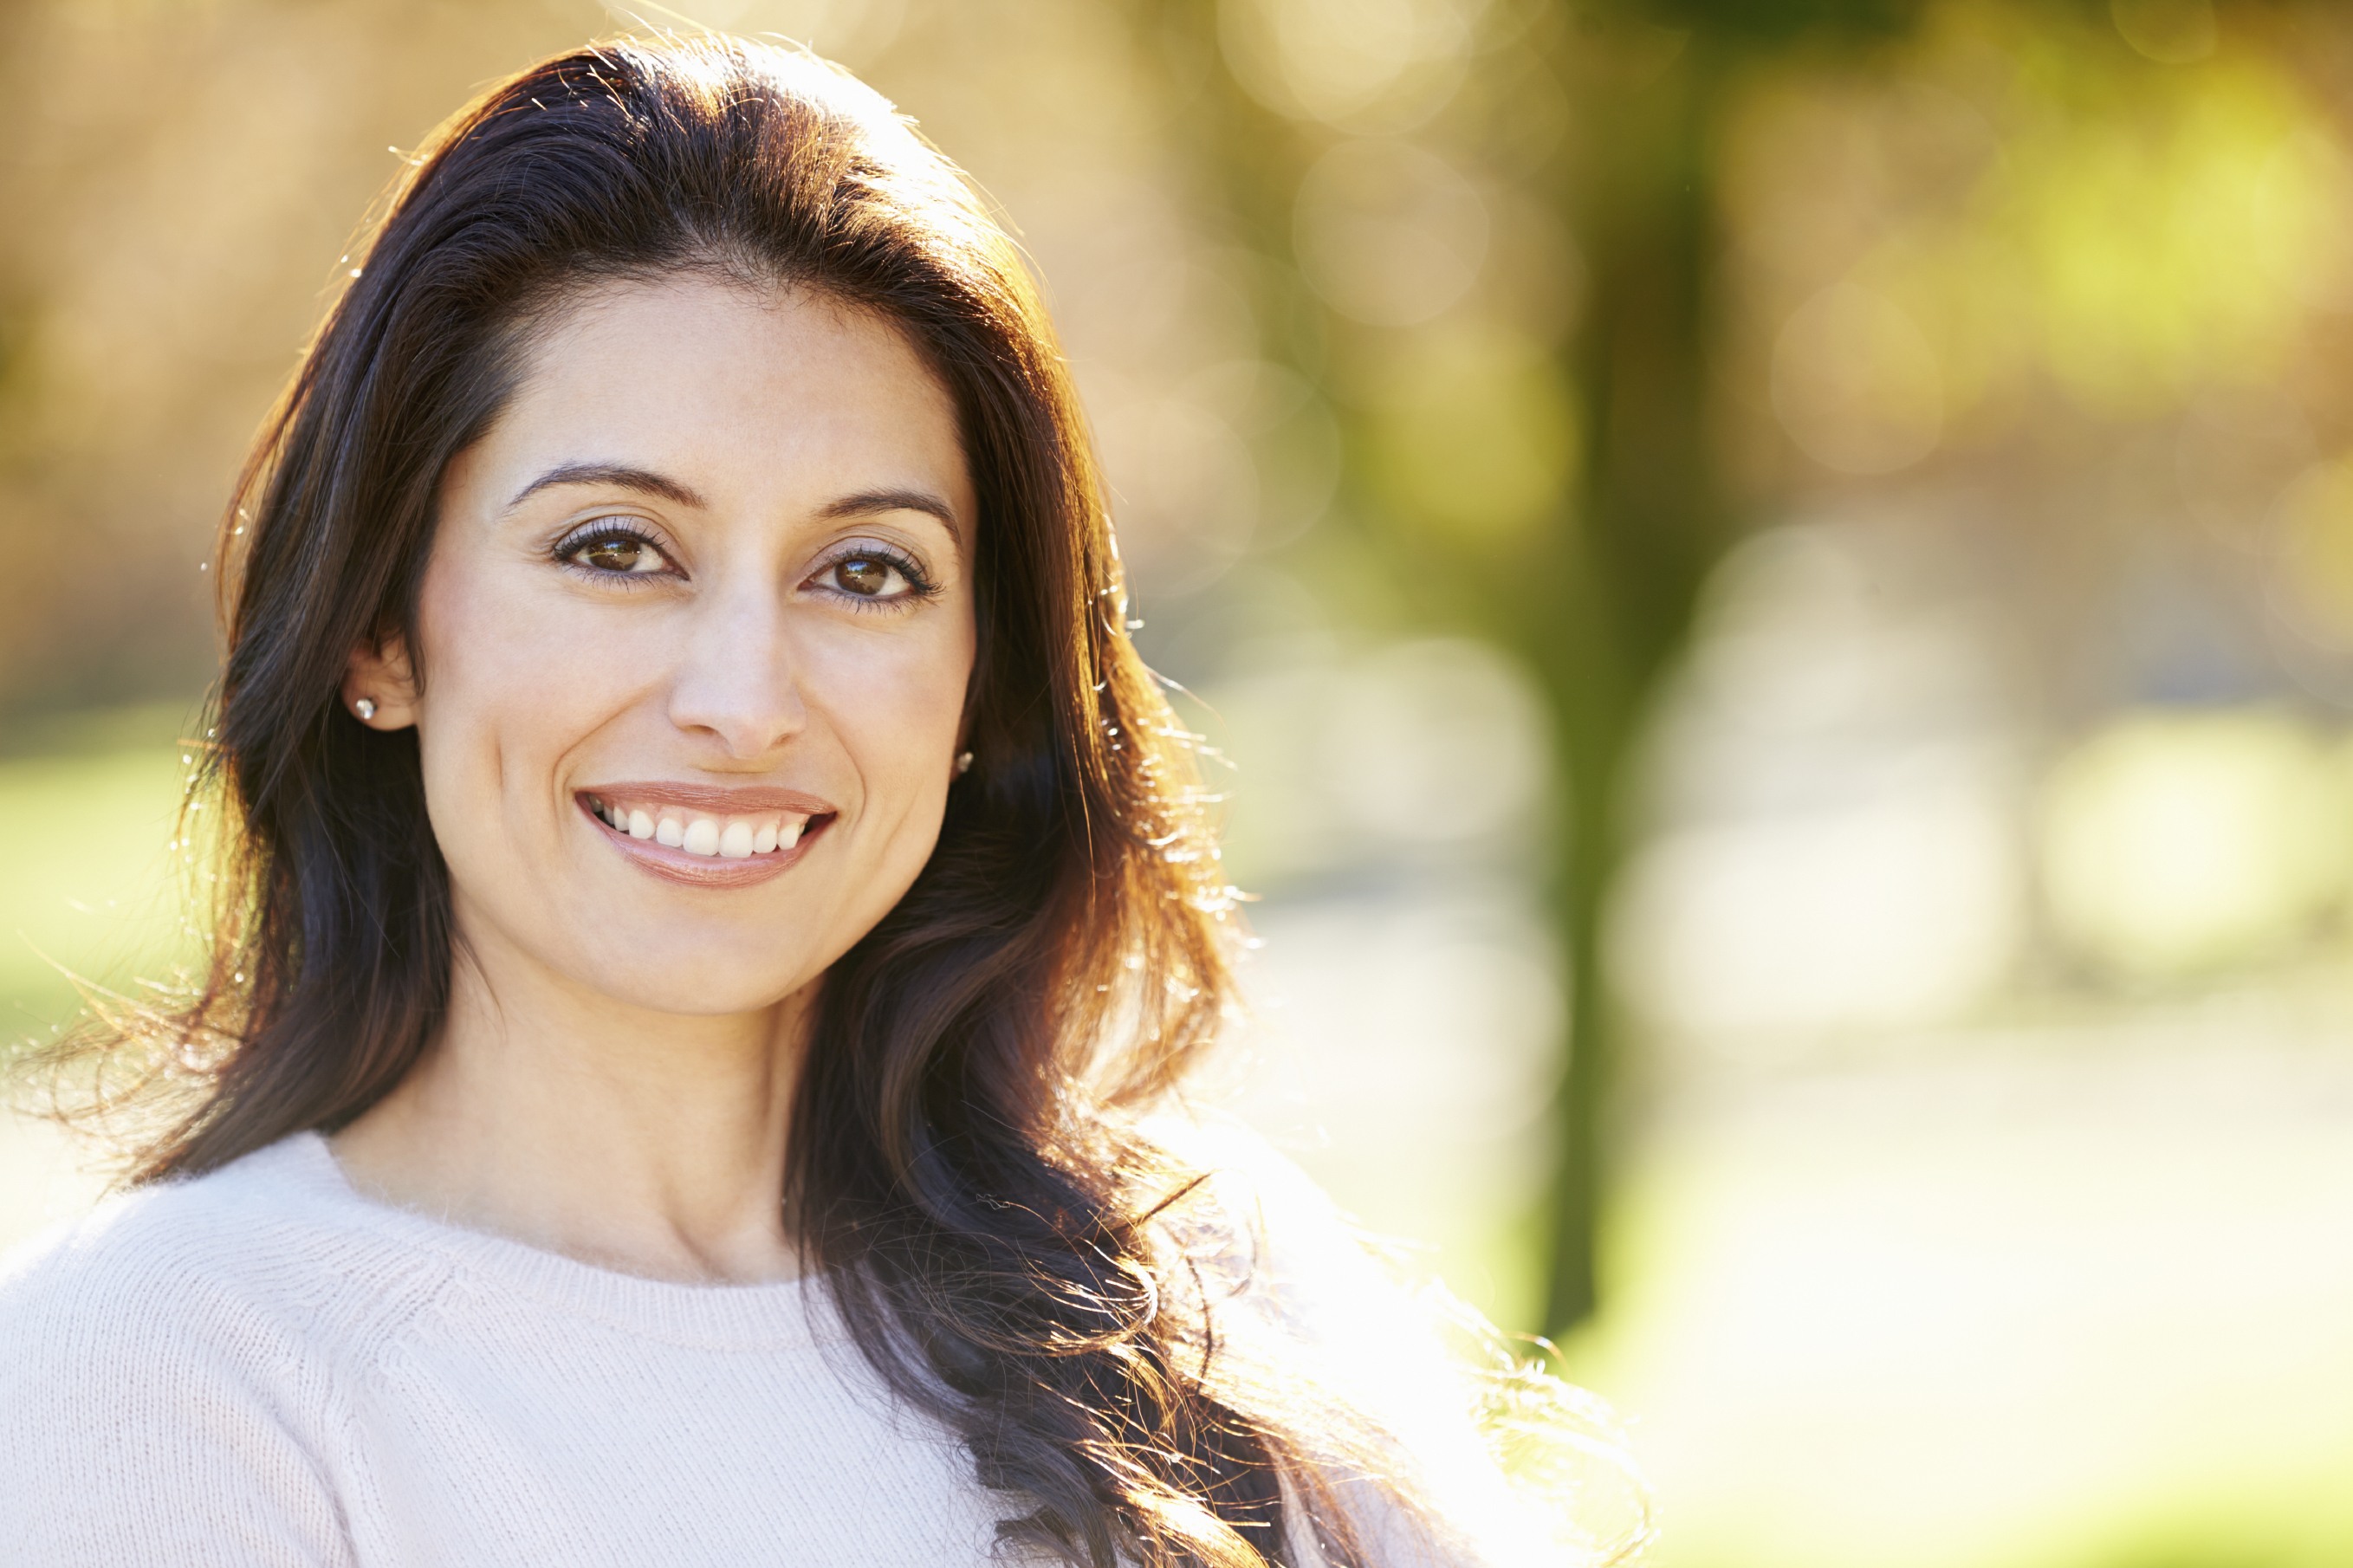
[378,688]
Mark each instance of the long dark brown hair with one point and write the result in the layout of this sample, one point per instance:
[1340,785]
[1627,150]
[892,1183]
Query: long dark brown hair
[964,1169]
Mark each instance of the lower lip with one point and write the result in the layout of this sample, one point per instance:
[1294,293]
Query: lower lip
[705,871]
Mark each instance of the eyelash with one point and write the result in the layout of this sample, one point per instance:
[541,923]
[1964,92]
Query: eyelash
[919,586]
[588,533]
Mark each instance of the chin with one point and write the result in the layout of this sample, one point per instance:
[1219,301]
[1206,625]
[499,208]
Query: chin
[706,992]
[710,968]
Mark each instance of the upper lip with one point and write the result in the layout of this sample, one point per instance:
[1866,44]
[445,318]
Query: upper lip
[712,799]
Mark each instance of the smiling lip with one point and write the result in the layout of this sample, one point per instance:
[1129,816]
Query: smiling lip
[703,871]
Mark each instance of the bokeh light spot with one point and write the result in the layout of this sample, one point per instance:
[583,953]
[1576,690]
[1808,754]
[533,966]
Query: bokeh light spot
[1856,383]
[2175,844]
[1362,65]
[2172,32]
[1389,234]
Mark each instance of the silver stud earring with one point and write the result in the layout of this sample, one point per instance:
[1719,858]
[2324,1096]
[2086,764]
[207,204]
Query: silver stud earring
[365,708]
[964,762]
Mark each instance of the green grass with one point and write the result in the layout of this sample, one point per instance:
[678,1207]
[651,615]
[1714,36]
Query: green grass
[88,887]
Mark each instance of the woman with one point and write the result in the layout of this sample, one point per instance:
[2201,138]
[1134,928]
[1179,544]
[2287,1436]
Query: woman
[714,898]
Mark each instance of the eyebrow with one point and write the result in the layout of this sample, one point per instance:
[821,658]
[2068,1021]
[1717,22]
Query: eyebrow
[865,503]
[621,475]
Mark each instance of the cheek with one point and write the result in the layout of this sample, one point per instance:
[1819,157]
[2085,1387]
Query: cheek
[504,685]
[896,702]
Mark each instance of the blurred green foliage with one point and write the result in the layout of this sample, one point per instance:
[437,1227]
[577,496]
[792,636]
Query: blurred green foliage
[1817,246]
[89,892]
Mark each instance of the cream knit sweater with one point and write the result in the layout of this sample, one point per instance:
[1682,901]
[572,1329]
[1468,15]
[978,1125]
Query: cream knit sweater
[259,1367]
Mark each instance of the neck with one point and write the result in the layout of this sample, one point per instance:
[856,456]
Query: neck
[649,1142]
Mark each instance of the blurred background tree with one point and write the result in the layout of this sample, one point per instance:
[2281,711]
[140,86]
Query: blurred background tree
[1582,547]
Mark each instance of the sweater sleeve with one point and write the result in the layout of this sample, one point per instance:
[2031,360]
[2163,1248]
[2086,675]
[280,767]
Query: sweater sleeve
[147,1418]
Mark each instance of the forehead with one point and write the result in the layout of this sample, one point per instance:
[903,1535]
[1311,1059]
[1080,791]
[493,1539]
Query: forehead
[721,373]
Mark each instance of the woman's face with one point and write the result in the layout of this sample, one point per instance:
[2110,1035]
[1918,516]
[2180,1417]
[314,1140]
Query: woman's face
[696,632]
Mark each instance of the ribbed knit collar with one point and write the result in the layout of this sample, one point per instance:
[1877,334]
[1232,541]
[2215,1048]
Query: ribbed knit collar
[785,1312]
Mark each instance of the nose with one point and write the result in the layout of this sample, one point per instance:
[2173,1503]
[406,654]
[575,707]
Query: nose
[738,680]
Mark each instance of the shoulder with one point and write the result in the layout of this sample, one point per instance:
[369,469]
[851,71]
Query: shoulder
[1267,1226]
[255,1243]
[1408,1392]
[1300,1289]
[239,1274]
[170,1367]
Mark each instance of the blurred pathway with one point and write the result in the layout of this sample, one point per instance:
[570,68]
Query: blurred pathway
[2074,1300]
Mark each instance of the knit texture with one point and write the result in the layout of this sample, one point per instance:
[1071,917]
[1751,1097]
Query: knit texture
[262,1367]
[259,1367]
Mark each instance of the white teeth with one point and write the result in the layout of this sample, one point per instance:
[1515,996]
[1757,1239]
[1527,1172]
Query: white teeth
[735,839]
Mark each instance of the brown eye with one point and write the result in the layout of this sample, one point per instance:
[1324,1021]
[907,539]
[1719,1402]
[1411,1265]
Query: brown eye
[865,576]
[619,552]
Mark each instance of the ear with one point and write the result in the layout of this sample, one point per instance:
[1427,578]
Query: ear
[379,672]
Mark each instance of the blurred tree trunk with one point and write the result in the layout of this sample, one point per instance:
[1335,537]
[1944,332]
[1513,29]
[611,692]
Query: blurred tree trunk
[1628,560]
[1650,80]
[1607,610]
